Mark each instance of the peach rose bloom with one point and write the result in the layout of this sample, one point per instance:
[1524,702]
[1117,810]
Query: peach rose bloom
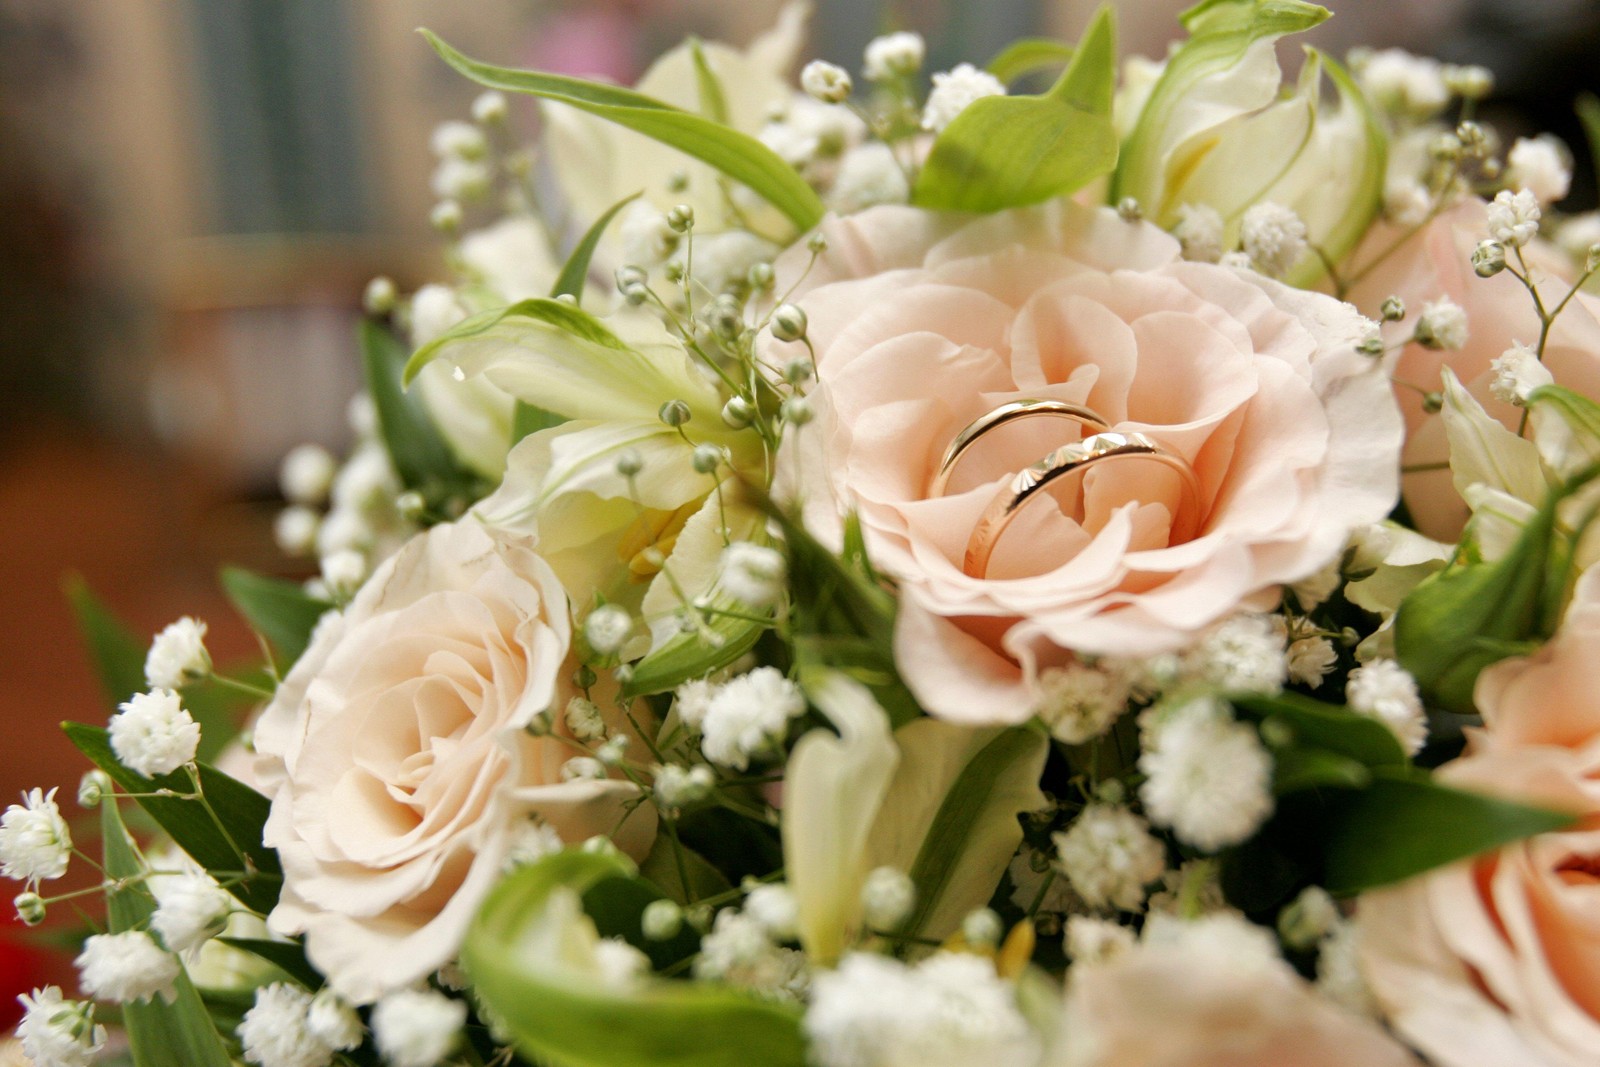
[399,766]
[1495,962]
[1172,1005]
[1436,263]
[921,323]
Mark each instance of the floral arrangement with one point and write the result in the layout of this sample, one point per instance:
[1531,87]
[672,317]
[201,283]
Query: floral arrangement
[924,576]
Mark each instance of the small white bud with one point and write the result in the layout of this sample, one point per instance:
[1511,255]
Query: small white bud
[1128,209]
[708,457]
[826,82]
[982,928]
[490,108]
[417,1028]
[582,769]
[380,296]
[330,1018]
[446,216]
[661,920]
[30,908]
[295,530]
[1199,232]
[887,897]
[307,474]
[583,718]
[458,140]
[789,322]
[93,788]
[893,56]
[681,218]
[629,463]
[1308,918]
[738,412]
[344,571]
[607,628]
[796,411]
[675,413]
[613,751]
[1469,82]
[1393,310]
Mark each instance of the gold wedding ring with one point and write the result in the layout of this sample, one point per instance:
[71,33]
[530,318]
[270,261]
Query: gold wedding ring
[1003,415]
[1070,459]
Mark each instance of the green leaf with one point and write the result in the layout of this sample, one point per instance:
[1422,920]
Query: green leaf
[969,842]
[529,954]
[691,655]
[576,270]
[1462,619]
[222,833]
[179,1034]
[1330,727]
[420,455]
[282,612]
[739,156]
[1587,106]
[1030,55]
[712,103]
[1302,767]
[841,618]
[1404,824]
[1221,32]
[1009,151]
[567,318]
[661,869]
[288,956]
[117,655]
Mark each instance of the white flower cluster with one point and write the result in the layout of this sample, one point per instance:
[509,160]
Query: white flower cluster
[1383,690]
[56,1032]
[743,718]
[741,950]
[1079,702]
[1513,217]
[154,734]
[417,1027]
[947,1011]
[289,1027]
[126,967]
[1207,776]
[956,90]
[1110,856]
[178,655]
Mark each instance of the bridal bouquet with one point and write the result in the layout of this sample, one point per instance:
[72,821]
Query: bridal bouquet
[866,574]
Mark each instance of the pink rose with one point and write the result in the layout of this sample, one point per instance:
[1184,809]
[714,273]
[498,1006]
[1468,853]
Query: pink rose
[922,323]
[1436,263]
[1203,995]
[1495,962]
[399,764]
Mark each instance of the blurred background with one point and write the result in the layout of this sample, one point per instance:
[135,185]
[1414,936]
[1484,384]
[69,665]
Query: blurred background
[193,194]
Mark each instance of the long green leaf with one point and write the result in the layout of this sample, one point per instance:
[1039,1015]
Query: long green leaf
[420,455]
[565,317]
[1404,824]
[523,955]
[1000,782]
[1466,617]
[1587,105]
[288,956]
[282,612]
[575,272]
[713,105]
[739,156]
[179,1034]
[1029,56]
[221,833]
[1009,151]
[1329,727]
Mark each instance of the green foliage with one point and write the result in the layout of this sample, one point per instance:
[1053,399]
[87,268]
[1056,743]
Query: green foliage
[841,618]
[1475,613]
[691,654]
[180,1034]
[526,953]
[1404,824]
[288,956]
[1009,151]
[564,317]
[740,156]
[282,612]
[1325,728]
[420,455]
[1030,55]
[220,829]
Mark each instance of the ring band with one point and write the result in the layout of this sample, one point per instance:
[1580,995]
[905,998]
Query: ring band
[1015,411]
[1065,460]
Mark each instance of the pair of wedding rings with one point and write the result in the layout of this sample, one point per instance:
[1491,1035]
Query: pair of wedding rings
[1099,445]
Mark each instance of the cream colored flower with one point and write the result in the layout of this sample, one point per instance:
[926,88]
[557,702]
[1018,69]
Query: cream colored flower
[398,763]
